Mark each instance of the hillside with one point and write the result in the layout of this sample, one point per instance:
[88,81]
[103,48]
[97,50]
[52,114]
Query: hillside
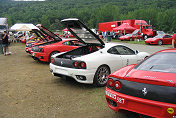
[161,13]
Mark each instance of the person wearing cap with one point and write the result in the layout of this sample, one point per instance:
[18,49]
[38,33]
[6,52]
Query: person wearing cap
[5,43]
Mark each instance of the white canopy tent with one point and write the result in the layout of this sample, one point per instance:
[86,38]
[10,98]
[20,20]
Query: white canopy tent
[23,27]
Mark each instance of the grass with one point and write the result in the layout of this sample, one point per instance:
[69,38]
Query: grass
[142,42]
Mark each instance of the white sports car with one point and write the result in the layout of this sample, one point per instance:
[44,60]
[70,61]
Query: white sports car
[93,62]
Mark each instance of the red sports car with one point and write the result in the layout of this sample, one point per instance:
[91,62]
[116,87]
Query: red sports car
[131,37]
[148,88]
[160,39]
[42,37]
[44,52]
[34,41]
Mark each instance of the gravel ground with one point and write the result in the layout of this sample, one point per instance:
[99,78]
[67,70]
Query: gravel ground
[28,90]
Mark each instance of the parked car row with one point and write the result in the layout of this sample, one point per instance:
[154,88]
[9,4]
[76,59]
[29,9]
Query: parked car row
[160,39]
[135,81]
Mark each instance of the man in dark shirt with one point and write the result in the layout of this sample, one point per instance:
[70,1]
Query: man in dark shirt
[5,43]
[1,49]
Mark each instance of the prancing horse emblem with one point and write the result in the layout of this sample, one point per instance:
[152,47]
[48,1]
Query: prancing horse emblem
[144,91]
[61,63]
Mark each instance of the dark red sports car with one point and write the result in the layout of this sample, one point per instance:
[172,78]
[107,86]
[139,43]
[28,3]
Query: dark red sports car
[148,88]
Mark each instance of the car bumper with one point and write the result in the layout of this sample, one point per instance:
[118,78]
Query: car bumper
[117,101]
[28,50]
[40,56]
[88,75]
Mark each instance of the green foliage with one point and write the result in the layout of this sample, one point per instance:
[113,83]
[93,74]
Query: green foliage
[160,13]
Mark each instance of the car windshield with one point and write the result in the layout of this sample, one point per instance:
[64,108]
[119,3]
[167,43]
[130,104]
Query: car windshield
[128,35]
[159,36]
[135,31]
[160,32]
[148,27]
[159,62]
[85,35]
[2,27]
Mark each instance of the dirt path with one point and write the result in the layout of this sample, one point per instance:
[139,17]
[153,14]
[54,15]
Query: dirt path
[28,90]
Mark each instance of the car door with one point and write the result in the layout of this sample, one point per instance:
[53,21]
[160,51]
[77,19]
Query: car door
[113,59]
[167,39]
[128,55]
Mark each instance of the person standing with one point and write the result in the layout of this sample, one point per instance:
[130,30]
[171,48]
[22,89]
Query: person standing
[108,36]
[1,48]
[5,43]
[111,35]
[174,41]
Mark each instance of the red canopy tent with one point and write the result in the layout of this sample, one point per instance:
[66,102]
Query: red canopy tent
[65,29]
[125,27]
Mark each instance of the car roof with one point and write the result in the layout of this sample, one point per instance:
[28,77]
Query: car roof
[109,45]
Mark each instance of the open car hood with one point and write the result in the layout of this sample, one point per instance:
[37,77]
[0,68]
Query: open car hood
[82,32]
[48,32]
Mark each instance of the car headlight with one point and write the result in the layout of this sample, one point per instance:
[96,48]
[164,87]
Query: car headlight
[41,50]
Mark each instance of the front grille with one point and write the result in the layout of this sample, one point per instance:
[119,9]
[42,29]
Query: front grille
[35,49]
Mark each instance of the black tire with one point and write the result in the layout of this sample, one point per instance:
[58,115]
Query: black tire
[131,39]
[101,76]
[160,42]
[51,54]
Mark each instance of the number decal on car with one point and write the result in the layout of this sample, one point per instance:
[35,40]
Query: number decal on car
[113,96]
[120,100]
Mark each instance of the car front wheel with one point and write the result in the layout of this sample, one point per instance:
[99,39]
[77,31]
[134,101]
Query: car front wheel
[101,76]
[160,42]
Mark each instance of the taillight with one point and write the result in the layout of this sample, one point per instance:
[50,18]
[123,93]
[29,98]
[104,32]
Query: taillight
[83,65]
[52,60]
[79,65]
[117,85]
[76,64]
[110,82]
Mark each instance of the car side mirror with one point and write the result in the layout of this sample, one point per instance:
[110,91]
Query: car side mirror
[137,51]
